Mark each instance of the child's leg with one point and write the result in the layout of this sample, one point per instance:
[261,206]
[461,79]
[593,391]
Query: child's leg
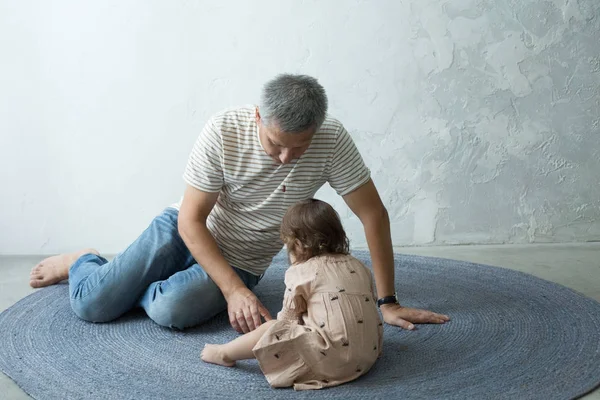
[238,349]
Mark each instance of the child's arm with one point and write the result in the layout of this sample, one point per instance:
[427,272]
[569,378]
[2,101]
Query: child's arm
[287,314]
[294,306]
[296,292]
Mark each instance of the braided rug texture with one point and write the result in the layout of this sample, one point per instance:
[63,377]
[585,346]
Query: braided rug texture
[512,336]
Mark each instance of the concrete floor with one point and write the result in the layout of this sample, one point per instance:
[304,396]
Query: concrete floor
[573,265]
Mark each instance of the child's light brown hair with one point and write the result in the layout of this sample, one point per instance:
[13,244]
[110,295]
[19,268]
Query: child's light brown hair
[317,226]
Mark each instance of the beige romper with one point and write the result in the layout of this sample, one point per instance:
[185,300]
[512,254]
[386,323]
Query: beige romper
[328,331]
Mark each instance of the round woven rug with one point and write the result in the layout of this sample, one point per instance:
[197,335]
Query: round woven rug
[512,336]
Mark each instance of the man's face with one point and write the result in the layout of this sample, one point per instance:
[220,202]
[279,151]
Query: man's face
[282,147]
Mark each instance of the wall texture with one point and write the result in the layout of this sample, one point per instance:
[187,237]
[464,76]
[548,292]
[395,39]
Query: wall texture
[480,119]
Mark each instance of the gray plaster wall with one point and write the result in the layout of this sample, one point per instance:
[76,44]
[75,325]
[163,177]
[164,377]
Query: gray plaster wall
[479,119]
[495,138]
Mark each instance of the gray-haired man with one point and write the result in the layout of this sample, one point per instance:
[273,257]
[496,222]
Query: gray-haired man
[206,253]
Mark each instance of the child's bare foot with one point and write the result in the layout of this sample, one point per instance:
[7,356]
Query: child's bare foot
[213,353]
[55,269]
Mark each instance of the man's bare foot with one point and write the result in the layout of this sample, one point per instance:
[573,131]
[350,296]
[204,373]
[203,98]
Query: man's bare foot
[213,353]
[55,269]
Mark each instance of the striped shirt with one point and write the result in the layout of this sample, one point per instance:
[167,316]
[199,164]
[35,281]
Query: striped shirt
[254,191]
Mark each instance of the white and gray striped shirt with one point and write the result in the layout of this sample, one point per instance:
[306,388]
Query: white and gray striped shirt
[255,192]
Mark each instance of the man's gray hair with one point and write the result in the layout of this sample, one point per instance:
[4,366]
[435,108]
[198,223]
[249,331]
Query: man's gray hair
[295,103]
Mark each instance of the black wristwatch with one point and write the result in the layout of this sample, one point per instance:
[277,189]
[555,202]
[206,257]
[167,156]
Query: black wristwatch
[387,300]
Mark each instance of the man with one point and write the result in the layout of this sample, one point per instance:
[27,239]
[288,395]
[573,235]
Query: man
[206,254]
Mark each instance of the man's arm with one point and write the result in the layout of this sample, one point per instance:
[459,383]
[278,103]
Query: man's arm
[243,307]
[366,204]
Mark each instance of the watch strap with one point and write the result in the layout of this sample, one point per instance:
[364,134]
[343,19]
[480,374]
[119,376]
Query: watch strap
[387,300]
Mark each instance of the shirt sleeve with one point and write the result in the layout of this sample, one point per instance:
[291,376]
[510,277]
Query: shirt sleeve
[347,171]
[297,289]
[204,170]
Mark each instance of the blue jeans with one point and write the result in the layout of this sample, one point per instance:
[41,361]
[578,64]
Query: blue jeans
[157,272]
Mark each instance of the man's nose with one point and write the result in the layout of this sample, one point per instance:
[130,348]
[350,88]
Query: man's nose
[285,156]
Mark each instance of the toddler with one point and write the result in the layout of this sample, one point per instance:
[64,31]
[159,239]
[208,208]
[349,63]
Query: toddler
[329,330]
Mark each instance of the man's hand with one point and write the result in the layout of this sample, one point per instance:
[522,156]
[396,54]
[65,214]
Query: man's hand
[245,310]
[404,317]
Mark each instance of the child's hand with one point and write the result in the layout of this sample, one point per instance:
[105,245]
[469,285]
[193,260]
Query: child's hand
[404,317]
